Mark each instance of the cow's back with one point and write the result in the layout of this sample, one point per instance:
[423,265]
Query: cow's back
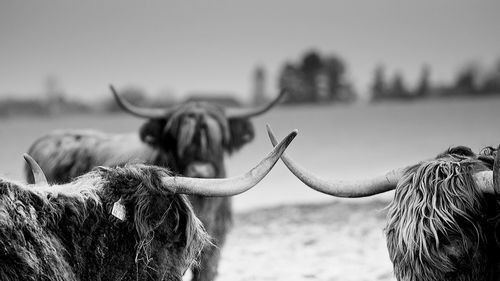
[66,154]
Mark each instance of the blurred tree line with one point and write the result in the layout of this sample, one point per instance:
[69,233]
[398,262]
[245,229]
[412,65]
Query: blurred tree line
[316,79]
[470,80]
[319,79]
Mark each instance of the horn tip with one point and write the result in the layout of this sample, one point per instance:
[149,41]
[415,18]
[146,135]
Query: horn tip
[291,136]
[27,157]
[281,95]
[112,88]
[293,133]
[272,137]
[31,162]
[38,175]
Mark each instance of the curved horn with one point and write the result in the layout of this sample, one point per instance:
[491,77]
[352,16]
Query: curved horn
[233,113]
[367,187]
[229,186]
[361,188]
[38,175]
[153,113]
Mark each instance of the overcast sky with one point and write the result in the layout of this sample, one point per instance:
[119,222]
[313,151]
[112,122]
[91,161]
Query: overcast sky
[186,46]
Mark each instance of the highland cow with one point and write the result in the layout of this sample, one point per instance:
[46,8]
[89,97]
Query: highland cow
[123,223]
[443,221]
[67,232]
[190,139]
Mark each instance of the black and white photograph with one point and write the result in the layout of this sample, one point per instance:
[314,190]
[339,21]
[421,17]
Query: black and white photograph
[278,140]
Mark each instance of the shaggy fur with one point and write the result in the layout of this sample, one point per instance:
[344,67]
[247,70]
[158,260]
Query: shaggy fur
[197,132]
[67,232]
[191,134]
[440,225]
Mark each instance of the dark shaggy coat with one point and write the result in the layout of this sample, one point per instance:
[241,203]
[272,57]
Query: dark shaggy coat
[193,134]
[67,232]
[440,225]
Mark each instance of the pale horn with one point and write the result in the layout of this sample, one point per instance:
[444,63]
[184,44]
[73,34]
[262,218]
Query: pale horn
[242,113]
[38,175]
[152,113]
[364,187]
[340,188]
[229,186]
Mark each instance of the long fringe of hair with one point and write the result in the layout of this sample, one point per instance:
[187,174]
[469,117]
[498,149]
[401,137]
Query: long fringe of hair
[139,186]
[436,220]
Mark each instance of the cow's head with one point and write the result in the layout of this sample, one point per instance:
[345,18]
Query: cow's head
[443,221]
[155,235]
[195,135]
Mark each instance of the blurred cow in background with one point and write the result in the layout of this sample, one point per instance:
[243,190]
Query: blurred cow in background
[443,223]
[190,139]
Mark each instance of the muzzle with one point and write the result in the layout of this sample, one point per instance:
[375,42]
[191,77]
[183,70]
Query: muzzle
[200,170]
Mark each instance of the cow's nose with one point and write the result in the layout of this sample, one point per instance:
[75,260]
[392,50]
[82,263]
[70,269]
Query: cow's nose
[200,170]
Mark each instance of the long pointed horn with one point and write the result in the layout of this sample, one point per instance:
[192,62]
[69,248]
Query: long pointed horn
[360,188]
[230,186]
[153,113]
[367,187]
[38,175]
[233,113]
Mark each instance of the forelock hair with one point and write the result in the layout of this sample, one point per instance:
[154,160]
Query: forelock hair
[196,131]
[184,130]
[138,186]
[435,222]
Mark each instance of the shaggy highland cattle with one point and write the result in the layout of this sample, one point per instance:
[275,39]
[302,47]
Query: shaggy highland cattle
[122,223]
[443,223]
[190,139]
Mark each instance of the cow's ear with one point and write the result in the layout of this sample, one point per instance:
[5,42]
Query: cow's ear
[241,131]
[151,132]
